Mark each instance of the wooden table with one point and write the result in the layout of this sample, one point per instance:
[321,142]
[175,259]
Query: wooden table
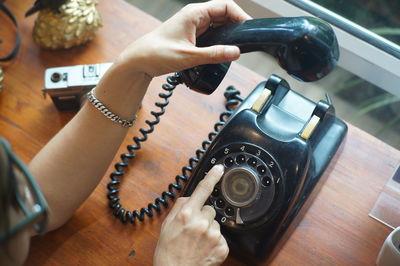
[336,229]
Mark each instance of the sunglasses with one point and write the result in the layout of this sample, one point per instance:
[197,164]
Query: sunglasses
[29,198]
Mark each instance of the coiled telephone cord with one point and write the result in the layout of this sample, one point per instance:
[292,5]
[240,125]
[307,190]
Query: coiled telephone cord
[233,98]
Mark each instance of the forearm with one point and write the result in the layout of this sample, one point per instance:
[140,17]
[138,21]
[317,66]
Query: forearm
[70,166]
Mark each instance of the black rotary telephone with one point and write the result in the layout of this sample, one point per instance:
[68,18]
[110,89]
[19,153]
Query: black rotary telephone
[274,146]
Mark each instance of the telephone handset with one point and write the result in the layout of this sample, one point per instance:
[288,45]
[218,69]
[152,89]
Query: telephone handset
[305,47]
[274,146]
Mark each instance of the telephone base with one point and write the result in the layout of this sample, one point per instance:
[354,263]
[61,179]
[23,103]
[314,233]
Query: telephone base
[273,162]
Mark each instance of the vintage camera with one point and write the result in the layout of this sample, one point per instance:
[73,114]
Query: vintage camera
[67,86]
[274,148]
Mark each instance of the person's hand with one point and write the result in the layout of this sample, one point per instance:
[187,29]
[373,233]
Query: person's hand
[189,234]
[172,46]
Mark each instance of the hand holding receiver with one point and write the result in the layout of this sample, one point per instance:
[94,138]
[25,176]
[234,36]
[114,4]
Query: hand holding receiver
[306,47]
[189,234]
[171,47]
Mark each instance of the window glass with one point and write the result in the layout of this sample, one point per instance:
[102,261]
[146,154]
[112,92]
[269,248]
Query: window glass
[364,105]
[380,16]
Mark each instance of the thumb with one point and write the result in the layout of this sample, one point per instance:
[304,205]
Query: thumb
[216,54]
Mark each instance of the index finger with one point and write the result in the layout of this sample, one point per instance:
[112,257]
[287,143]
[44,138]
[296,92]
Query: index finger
[206,187]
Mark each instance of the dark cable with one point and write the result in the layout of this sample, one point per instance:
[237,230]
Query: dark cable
[14,51]
[233,98]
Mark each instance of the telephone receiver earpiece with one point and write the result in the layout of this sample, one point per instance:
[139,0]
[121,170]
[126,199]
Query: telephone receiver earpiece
[306,47]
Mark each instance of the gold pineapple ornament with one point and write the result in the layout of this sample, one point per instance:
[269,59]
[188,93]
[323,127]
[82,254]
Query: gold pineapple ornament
[65,24]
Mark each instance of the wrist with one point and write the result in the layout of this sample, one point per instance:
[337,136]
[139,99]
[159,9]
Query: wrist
[144,55]
[134,58]
[122,90]
[161,257]
[130,65]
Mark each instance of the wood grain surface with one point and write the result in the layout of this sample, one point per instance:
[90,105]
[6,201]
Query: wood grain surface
[336,229]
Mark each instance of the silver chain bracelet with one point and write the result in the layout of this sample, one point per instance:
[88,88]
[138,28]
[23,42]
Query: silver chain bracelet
[107,113]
